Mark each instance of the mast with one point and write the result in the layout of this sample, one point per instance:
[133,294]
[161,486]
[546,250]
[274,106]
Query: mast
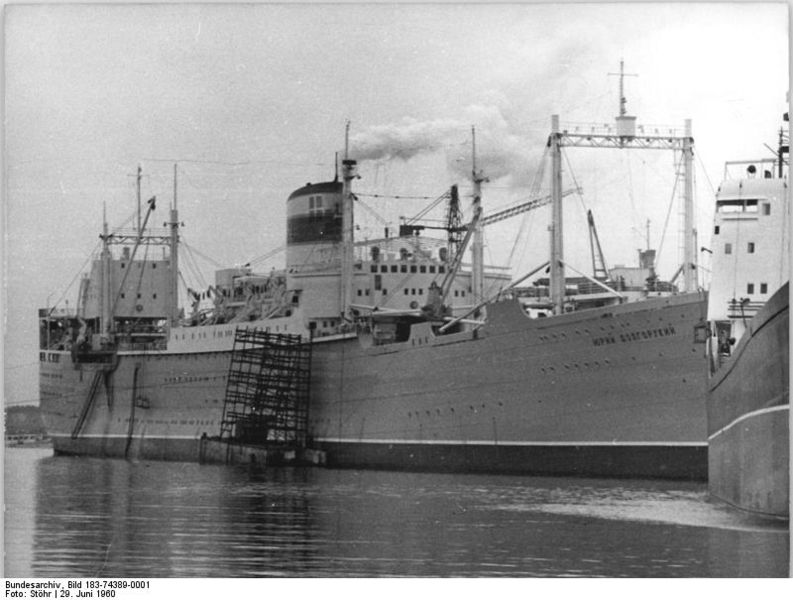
[622,75]
[137,186]
[622,135]
[349,173]
[107,310]
[174,247]
[689,235]
[477,245]
[557,243]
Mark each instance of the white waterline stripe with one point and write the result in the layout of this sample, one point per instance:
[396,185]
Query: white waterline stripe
[508,443]
[749,415]
[124,436]
[403,442]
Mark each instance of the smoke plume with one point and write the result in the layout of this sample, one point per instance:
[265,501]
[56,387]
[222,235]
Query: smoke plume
[502,151]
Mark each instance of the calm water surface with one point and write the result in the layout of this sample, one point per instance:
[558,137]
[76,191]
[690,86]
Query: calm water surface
[86,517]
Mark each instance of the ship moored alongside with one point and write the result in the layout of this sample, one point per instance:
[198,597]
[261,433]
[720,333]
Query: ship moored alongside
[748,401]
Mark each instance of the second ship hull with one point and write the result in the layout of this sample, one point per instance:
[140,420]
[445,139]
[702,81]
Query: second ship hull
[748,417]
[615,391]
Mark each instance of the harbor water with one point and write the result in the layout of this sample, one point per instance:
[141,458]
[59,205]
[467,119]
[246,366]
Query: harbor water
[89,517]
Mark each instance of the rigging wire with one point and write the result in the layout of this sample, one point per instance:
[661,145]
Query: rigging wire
[534,191]
[371,211]
[395,197]
[79,272]
[187,288]
[238,164]
[702,167]
[669,211]
[266,255]
[575,182]
[192,265]
[634,213]
[442,198]
[201,254]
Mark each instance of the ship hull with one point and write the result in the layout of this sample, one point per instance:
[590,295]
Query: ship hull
[615,391]
[748,417]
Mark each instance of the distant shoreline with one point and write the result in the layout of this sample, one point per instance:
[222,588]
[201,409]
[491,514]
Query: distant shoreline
[16,441]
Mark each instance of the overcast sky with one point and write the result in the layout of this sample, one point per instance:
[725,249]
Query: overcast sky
[252,100]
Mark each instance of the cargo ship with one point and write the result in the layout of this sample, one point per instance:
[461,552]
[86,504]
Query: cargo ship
[390,353]
[749,360]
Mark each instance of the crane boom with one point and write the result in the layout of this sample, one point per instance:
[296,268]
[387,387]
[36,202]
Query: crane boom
[599,269]
[521,208]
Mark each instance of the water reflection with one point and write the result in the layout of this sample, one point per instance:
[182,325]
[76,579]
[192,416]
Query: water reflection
[95,517]
[115,518]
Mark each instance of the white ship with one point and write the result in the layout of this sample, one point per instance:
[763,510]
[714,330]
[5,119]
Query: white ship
[749,355]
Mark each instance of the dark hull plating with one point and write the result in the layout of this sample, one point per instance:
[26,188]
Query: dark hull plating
[748,417]
[678,462]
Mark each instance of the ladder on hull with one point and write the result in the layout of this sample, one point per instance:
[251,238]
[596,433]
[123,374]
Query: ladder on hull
[89,402]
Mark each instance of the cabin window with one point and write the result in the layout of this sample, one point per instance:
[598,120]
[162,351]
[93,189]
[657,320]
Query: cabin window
[366,291]
[432,268]
[385,292]
[750,288]
[403,268]
[378,282]
[716,230]
[394,268]
[412,268]
[423,269]
[122,265]
[373,268]
[766,208]
[731,206]
[763,288]
[153,265]
[360,293]
[727,248]
[421,292]
[724,206]
[407,291]
[441,269]
[412,291]
[384,269]
[750,247]
[456,293]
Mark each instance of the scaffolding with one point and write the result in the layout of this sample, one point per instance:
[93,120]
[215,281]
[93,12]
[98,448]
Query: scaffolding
[267,390]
